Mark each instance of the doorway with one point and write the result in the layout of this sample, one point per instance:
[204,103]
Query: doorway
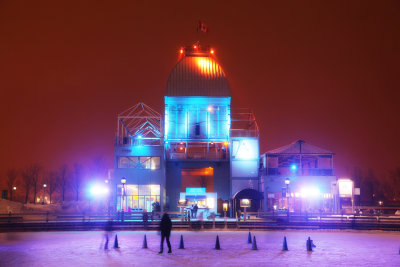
[198,177]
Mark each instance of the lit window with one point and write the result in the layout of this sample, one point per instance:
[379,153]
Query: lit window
[155,163]
[145,162]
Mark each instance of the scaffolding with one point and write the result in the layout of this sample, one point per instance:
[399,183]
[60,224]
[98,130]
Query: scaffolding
[243,123]
[139,125]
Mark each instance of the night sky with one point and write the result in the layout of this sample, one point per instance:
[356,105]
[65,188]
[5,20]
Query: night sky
[327,73]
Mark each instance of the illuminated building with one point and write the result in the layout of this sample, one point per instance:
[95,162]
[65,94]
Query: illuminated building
[201,150]
[298,176]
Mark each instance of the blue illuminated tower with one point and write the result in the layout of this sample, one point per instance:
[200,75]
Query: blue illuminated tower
[202,149]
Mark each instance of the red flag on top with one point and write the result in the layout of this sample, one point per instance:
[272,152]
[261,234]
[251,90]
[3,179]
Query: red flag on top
[202,27]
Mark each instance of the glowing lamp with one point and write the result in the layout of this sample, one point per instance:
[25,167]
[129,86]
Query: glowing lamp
[139,136]
[44,185]
[293,167]
[210,202]
[225,206]
[212,51]
[210,109]
[310,192]
[14,188]
[123,180]
[195,46]
[226,143]
[181,51]
[181,148]
[99,190]
[287,181]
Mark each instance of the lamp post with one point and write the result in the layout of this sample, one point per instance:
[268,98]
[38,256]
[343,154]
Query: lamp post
[123,182]
[13,189]
[287,182]
[44,192]
[225,208]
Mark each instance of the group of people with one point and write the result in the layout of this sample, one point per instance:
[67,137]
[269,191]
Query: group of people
[191,211]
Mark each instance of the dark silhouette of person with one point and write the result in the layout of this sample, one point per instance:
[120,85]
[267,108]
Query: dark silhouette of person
[195,208]
[145,218]
[165,228]
[238,214]
[107,231]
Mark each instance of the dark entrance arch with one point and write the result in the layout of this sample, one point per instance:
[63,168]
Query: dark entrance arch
[255,196]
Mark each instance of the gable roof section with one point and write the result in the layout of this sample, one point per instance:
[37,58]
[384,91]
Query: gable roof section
[299,147]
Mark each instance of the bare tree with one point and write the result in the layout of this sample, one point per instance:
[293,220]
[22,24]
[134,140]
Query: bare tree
[52,183]
[35,180]
[12,175]
[63,180]
[77,179]
[395,181]
[30,178]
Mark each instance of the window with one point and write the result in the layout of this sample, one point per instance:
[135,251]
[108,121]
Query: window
[149,163]
[138,196]
[145,162]
[155,163]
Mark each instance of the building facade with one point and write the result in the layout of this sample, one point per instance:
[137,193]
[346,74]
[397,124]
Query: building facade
[299,177]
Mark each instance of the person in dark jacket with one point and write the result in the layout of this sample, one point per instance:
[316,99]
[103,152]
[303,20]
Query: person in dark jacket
[165,228]
[195,208]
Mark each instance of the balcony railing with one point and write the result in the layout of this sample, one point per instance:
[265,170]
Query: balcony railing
[303,171]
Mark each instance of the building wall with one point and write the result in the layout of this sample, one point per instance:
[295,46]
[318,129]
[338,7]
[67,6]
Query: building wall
[139,176]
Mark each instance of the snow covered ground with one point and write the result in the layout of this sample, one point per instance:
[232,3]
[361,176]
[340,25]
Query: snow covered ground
[334,248]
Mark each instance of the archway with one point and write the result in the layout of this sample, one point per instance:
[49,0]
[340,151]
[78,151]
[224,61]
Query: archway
[255,196]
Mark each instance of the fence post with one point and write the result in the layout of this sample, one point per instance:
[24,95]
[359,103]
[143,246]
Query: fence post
[47,217]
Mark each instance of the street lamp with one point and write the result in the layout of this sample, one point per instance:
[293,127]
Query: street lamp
[225,208]
[123,182]
[287,182]
[14,189]
[44,192]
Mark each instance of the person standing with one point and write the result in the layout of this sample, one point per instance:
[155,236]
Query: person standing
[165,228]
[195,208]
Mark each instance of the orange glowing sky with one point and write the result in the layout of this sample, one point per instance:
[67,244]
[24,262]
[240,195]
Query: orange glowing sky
[327,73]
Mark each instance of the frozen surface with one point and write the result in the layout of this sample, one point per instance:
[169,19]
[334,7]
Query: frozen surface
[334,248]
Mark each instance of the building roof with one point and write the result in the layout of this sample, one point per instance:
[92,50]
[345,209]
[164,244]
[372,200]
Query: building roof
[299,147]
[197,74]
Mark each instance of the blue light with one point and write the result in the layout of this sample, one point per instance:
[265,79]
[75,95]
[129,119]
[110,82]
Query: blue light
[139,136]
[293,167]
[99,190]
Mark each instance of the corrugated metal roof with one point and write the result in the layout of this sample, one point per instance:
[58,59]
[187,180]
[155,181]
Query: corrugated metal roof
[197,76]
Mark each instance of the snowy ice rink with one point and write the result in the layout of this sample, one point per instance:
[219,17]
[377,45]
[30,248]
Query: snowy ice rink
[334,248]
